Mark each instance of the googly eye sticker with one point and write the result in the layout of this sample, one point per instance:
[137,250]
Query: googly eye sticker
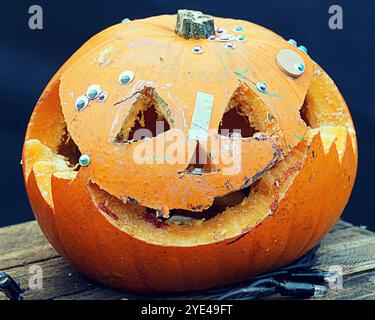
[262,87]
[291,63]
[293,42]
[211,38]
[103,96]
[226,37]
[241,38]
[126,77]
[221,30]
[237,29]
[230,45]
[197,50]
[81,103]
[93,91]
[303,49]
[84,160]
[300,67]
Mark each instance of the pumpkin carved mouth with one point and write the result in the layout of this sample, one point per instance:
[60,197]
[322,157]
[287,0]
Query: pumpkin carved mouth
[118,220]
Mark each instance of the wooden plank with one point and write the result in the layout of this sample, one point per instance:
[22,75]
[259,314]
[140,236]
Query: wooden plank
[24,245]
[355,287]
[59,278]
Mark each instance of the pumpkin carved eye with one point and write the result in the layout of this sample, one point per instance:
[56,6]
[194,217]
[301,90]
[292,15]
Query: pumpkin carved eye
[235,123]
[147,118]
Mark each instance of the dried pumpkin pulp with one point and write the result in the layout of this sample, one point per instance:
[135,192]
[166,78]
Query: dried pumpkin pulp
[168,225]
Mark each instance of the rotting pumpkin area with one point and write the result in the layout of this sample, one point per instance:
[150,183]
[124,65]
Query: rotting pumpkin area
[268,222]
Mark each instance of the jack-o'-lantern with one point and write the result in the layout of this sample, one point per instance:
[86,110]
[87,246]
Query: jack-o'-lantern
[113,153]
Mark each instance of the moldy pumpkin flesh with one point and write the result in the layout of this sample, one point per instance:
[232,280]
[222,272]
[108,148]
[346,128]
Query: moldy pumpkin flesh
[168,225]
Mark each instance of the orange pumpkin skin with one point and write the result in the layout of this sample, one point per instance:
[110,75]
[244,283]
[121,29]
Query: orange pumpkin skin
[317,176]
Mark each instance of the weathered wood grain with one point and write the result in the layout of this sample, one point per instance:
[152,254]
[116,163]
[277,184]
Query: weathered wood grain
[23,245]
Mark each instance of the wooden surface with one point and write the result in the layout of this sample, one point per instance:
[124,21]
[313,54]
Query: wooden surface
[23,245]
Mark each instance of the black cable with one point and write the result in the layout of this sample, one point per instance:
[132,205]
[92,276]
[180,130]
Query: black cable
[10,287]
[305,262]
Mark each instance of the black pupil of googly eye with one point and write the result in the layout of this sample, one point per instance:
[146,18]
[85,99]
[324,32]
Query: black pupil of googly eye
[102,96]
[262,87]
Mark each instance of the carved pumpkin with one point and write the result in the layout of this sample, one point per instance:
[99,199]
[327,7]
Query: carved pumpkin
[172,223]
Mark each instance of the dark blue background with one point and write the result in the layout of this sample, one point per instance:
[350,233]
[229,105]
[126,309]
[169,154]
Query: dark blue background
[28,59]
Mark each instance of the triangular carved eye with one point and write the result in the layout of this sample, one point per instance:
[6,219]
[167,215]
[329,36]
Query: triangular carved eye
[200,163]
[236,122]
[148,117]
[246,114]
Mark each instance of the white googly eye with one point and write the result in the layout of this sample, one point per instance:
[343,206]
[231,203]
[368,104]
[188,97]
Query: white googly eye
[291,63]
[220,30]
[81,103]
[103,96]
[226,37]
[126,77]
[293,42]
[84,160]
[241,38]
[262,87]
[93,91]
[197,50]
[303,49]
[237,29]
[211,38]
[230,45]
